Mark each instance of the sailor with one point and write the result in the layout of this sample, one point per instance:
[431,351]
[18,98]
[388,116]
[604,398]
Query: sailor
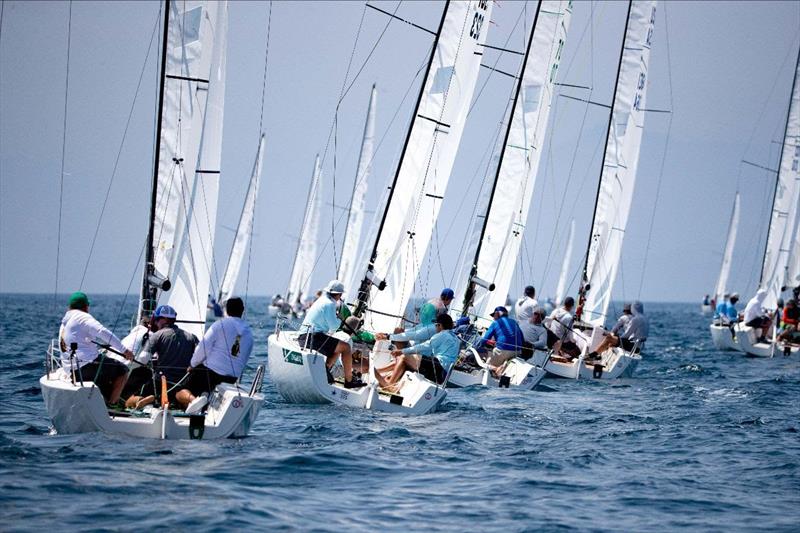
[559,323]
[79,337]
[134,340]
[170,349]
[427,316]
[755,316]
[431,358]
[507,336]
[706,300]
[623,320]
[214,306]
[220,357]
[319,327]
[539,331]
[523,310]
[277,300]
[790,319]
[632,335]
[722,307]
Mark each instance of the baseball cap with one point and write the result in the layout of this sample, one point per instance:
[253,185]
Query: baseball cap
[165,311]
[448,293]
[78,299]
[500,309]
[335,287]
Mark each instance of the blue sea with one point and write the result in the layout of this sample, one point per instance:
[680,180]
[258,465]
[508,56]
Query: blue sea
[698,439]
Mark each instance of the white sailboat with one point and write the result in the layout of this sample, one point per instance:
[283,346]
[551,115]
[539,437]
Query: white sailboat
[721,330]
[779,266]
[613,203]
[406,226]
[499,229]
[180,245]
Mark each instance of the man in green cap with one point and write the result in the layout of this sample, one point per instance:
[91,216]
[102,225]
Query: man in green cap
[79,353]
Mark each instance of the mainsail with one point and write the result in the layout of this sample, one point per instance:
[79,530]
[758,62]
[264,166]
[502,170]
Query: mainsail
[725,270]
[785,203]
[501,226]
[425,164]
[618,177]
[300,280]
[244,230]
[561,288]
[189,141]
[355,217]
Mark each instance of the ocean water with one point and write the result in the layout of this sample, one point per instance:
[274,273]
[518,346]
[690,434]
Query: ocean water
[698,439]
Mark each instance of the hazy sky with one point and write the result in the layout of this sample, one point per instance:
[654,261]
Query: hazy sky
[723,69]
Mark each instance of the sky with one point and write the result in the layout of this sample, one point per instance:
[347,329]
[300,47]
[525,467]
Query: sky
[722,70]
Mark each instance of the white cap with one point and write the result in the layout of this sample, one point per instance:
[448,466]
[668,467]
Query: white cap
[335,287]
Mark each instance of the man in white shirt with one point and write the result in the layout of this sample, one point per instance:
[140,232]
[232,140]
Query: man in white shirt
[523,310]
[538,331]
[79,337]
[220,357]
[756,317]
[559,323]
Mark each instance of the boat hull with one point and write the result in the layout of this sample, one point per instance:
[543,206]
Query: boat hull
[746,340]
[80,408]
[520,373]
[722,337]
[299,376]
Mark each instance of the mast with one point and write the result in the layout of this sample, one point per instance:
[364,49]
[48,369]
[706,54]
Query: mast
[149,293]
[584,288]
[469,295]
[363,290]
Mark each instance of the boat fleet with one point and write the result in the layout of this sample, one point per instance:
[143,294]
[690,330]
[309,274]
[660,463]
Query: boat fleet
[380,271]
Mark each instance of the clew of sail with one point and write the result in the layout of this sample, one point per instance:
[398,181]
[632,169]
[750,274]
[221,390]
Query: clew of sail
[300,279]
[501,233]
[427,160]
[244,230]
[355,217]
[727,257]
[775,268]
[561,288]
[189,154]
[621,159]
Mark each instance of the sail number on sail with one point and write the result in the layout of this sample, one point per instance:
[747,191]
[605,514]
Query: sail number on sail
[477,20]
[637,100]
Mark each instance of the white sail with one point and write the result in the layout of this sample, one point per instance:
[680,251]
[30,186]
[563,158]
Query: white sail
[427,160]
[785,204]
[355,217]
[793,270]
[561,288]
[620,162]
[727,257]
[188,176]
[510,200]
[304,259]
[244,230]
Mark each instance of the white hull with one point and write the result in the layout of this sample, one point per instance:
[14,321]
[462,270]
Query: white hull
[614,363]
[518,374]
[723,338]
[746,339]
[76,408]
[299,375]
[705,309]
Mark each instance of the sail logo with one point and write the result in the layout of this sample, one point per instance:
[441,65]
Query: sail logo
[477,20]
[639,97]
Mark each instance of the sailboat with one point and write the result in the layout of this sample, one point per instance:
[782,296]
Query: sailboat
[499,229]
[779,266]
[406,225]
[612,205]
[721,331]
[179,247]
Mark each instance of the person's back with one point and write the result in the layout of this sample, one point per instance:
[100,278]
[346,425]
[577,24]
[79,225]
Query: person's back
[721,311]
[638,327]
[321,316]
[506,332]
[622,321]
[226,346]
[753,310]
[174,348]
[445,346]
[561,320]
[435,307]
[82,329]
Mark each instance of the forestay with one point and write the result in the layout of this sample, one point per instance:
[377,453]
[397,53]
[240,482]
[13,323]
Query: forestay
[561,288]
[501,233]
[427,160]
[300,280]
[727,257]
[355,216]
[189,155]
[784,206]
[619,163]
[244,230]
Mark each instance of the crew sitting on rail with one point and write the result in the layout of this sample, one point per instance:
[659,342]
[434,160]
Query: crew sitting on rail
[756,317]
[319,326]
[538,334]
[80,356]
[726,313]
[791,318]
[559,325]
[427,315]
[431,358]
[632,335]
[507,336]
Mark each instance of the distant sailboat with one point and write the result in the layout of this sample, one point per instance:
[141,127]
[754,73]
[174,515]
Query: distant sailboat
[721,331]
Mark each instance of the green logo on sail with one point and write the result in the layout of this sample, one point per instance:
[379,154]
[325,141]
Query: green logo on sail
[290,356]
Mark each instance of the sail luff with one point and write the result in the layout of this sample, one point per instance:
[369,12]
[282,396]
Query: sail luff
[620,161]
[355,216]
[784,206]
[244,229]
[727,257]
[562,278]
[503,224]
[300,279]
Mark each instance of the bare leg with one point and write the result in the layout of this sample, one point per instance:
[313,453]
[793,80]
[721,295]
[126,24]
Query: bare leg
[119,383]
[347,360]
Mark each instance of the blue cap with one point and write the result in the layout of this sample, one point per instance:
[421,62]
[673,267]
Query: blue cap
[500,309]
[165,311]
[463,321]
[448,293]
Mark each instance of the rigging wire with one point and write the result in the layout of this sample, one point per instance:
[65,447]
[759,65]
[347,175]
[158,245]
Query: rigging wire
[63,154]
[119,151]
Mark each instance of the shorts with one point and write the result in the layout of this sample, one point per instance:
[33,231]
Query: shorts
[432,369]
[319,342]
[103,371]
[552,338]
[758,322]
[527,350]
[202,379]
[626,344]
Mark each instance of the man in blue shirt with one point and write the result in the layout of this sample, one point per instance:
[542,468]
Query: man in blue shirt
[427,318]
[507,336]
[319,324]
[431,358]
[726,312]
